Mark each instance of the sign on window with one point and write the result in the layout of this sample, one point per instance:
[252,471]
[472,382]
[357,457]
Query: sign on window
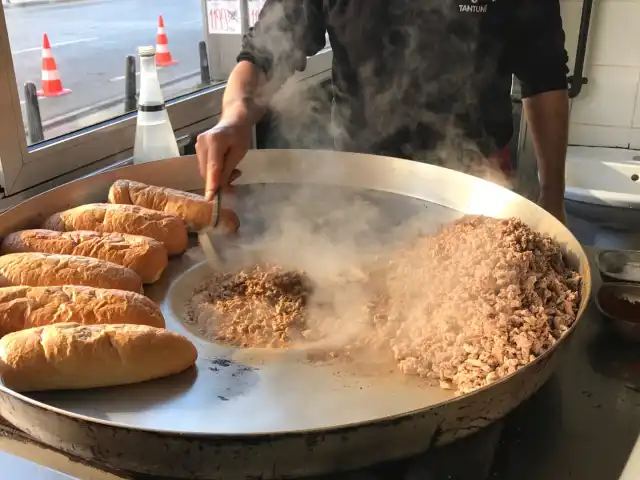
[223,16]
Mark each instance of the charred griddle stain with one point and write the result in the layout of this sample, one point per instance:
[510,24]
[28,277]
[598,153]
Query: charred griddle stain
[222,362]
[437,433]
[313,441]
[242,369]
[218,364]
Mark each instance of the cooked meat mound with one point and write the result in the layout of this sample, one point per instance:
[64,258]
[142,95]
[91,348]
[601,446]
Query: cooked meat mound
[260,307]
[476,302]
[463,308]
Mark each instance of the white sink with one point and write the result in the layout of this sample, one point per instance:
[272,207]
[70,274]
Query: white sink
[603,186]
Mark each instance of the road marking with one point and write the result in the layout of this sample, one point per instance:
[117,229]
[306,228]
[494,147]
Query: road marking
[59,44]
[120,78]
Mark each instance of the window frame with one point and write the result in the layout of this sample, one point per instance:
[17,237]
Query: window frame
[23,167]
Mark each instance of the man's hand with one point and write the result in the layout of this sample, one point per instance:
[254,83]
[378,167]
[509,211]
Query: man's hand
[219,151]
[554,204]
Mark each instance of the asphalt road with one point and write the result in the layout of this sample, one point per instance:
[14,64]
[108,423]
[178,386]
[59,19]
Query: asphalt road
[90,40]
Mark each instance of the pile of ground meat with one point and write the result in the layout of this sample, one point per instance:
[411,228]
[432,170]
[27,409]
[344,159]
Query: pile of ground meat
[474,303]
[463,308]
[260,307]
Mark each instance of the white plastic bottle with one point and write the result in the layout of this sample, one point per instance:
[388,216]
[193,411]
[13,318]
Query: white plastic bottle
[155,139]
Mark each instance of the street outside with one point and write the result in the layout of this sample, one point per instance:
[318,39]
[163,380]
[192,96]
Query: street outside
[90,40]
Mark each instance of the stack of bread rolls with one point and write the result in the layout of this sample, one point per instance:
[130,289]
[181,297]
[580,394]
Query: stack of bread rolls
[72,310]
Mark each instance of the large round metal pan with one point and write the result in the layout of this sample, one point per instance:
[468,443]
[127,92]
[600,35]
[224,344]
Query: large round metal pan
[248,414]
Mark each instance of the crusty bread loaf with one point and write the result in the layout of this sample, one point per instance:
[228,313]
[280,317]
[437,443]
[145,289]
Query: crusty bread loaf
[72,356]
[48,269]
[144,255]
[168,229]
[27,307]
[192,208]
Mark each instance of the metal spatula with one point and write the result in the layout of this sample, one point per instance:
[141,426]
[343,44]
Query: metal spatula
[210,236]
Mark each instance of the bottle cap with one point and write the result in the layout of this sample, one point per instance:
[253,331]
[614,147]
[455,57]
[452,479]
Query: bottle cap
[146,51]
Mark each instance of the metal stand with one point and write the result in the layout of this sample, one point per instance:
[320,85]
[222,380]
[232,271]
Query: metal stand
[130,96]
[205,75]
[34,121]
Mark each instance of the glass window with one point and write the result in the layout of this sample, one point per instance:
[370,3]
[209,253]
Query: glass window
[69,77]
[76,55]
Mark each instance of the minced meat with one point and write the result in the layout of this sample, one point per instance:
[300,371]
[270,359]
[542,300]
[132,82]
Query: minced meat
[260,307]
[463,308]
[476,302]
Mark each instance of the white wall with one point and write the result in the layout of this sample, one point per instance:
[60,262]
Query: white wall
[607,112]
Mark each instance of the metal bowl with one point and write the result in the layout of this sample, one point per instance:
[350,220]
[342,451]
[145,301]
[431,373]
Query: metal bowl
[619,265]
[283,418]
[619,303]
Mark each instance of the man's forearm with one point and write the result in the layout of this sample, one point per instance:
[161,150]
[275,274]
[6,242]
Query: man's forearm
[548,118]
[245,96]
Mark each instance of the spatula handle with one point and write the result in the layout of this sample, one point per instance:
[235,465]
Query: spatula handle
[215,211]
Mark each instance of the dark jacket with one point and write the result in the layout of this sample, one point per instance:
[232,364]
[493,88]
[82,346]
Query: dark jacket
[412,75]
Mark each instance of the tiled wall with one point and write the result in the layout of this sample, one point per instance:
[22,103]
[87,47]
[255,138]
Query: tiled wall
[607,112]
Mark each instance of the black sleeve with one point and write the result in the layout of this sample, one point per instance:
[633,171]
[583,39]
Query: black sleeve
[537,47]
[286,33]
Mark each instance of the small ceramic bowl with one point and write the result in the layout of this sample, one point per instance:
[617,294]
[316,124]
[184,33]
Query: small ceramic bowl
[619,303]
[619,265]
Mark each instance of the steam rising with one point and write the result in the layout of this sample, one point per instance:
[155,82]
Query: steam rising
[416,85]
[420,92]
[465,307]
[416,88]
[335,235]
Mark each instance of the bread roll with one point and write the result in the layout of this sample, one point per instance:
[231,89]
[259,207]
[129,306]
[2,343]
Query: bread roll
[72,356]
[46,269]
[192,208]
[145,256]
[27,307]
[168,229]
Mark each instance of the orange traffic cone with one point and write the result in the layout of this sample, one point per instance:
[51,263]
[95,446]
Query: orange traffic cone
[51,83]
[163,55]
